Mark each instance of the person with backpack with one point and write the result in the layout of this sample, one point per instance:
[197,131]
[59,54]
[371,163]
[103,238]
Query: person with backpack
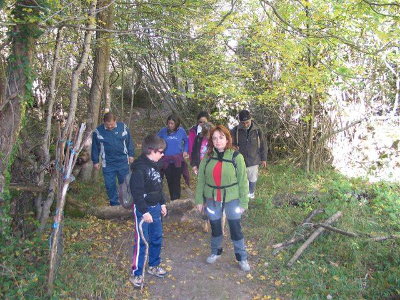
[113,143]
[195,138]
[222,182]
[173,163]
[148,204]
[249,139]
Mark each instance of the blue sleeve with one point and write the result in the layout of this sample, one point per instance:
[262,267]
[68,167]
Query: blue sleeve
[95,148]
[185,141]
[131,146]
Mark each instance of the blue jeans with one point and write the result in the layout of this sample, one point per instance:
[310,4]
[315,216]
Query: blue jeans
[153,234]
[109,175]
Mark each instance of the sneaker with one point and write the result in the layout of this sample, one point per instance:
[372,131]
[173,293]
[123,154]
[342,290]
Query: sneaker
[212,258]
[251,195]
[136,280]
[244,265]
[157,271]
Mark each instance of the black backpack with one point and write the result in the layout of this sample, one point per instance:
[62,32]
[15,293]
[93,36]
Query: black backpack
[232,161]
[223,187]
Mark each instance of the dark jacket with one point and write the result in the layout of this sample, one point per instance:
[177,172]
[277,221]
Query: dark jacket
[251,143]
[146,184]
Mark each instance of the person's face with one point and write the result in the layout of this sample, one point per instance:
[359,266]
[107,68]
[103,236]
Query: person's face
[171,125]
[202,120]
[246,124]
[219,140]
[110,124]
[157,154]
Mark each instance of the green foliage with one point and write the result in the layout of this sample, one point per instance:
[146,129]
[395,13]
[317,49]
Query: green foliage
[343,267]
[23,268]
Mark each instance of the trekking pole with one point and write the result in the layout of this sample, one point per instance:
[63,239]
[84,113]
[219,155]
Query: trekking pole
[146,255]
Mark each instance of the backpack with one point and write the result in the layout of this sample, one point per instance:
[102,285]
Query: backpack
[223,187]
[232,161]
[124,192]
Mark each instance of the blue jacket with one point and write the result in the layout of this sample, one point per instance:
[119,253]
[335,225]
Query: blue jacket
[177,141]
[113,146]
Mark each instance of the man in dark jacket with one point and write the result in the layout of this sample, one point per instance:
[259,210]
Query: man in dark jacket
[247,136]
[113,143]
[149,205]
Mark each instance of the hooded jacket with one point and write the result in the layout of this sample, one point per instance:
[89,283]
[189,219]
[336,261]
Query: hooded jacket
[146,184]
[251,143]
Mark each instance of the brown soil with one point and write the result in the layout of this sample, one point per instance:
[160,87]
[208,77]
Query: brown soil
[184,252]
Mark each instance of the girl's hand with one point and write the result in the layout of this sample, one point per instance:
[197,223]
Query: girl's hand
[200,207]
[195,170]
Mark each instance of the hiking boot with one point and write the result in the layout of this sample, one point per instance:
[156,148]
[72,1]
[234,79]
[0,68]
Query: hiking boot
[212,258]
[244,265]
[251,195]
[136,280]
[157,271]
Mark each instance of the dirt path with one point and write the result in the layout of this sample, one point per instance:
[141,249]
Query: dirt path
[185,249]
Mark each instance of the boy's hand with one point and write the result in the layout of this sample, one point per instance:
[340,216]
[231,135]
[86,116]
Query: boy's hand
[200,207]
[163,210]
[185,155]
[147,218]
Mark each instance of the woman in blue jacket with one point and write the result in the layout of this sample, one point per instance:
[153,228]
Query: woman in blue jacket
[173,162]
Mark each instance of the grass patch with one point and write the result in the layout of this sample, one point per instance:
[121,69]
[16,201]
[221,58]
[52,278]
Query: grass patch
[343,267]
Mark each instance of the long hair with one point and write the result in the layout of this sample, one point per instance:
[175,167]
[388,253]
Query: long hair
[226,132]
[176,119]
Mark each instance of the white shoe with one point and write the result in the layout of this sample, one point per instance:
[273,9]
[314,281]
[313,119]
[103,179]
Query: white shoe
[212,258]
[136,280]
[251,195]
[244,265]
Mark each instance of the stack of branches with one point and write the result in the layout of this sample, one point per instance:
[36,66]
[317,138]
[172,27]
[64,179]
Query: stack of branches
[311,231]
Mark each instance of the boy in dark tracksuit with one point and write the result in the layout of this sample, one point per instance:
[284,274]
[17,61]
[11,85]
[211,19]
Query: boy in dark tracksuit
[149,205]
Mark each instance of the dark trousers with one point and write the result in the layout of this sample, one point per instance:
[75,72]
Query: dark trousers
[173,175]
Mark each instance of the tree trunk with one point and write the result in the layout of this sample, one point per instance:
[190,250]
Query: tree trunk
[12,109]
[101,59]
[311,109]
[46,138]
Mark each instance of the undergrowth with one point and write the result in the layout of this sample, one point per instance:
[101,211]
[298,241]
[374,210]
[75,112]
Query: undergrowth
[333,265]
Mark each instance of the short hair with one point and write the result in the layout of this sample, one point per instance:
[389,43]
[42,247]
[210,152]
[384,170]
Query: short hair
[109,117]
[152,142]
[244,115]
[226,132]
[203,114]
[176,119]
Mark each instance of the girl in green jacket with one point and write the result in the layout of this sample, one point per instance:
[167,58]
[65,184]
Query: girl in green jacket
[222,186]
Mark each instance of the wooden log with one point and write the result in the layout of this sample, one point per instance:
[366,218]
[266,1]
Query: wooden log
[312,237]
[384,238]
[337,230]
[176,207]
[312,215]
[280,246]
[26,188]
